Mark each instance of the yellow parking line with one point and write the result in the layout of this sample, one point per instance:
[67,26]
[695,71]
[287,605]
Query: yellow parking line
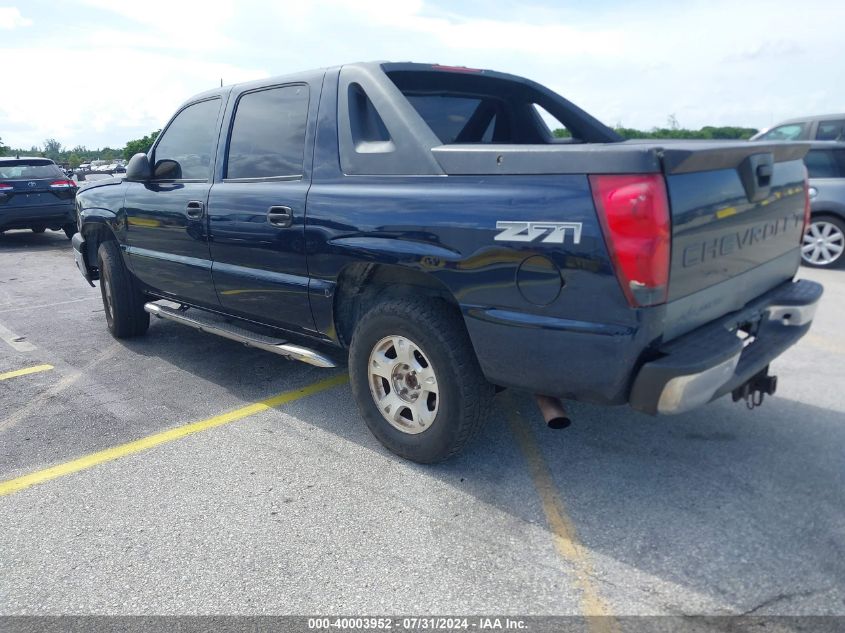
[88,461]
[567,545]
[26,371]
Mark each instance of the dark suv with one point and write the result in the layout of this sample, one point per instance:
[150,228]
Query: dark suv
[824,240]
[36,194]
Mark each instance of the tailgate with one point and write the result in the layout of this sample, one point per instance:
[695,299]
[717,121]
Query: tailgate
[737,221]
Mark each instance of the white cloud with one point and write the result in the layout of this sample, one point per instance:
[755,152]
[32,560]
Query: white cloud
[715,62]
[11,18]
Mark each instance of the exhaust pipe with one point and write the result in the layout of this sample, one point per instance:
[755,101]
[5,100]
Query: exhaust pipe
[553,411]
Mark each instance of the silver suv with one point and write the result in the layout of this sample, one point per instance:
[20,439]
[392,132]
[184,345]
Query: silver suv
[824,240]
[823,127]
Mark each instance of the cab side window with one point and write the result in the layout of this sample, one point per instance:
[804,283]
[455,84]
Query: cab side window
[186,149]
[268,134]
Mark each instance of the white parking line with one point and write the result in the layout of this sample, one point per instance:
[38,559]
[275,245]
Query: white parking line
[17,342]
[48,305]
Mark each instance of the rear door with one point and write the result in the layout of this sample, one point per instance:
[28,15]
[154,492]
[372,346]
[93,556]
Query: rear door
[167,233]
[256,208]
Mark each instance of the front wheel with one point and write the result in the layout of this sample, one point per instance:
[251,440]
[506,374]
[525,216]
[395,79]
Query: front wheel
[416,379]
[123,303]
[824,242]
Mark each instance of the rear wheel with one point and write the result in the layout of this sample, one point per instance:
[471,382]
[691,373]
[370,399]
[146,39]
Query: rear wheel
[122,301]
[416,379]
[824,242]
[69,229]
[39,229]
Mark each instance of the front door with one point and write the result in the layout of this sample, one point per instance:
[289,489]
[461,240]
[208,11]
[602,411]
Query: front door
[167,223]
[257,210]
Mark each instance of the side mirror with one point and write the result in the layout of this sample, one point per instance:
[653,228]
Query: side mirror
[139,168]
[167,169]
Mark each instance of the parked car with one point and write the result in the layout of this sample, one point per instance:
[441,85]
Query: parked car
[36,194]
[824,127]
[425,220]
[824,241]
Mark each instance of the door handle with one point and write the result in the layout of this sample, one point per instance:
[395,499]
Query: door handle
[280,216]
[194,209]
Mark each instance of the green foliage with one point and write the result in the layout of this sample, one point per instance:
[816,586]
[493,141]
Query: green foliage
[52,149]
[74,160]
[141,145]
[3,148]
[708,132]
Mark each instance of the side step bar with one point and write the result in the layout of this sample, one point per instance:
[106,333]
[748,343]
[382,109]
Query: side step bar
[207,323]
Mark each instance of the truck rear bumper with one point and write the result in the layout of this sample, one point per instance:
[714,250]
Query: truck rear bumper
[721,356]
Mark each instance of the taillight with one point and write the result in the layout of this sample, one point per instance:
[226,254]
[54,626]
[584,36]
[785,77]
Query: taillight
[5,187]
[62,184]
[806,203]
[634,214]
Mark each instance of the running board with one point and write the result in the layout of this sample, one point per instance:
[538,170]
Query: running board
[205,322]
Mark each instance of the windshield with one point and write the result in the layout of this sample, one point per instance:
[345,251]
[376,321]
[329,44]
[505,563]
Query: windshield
[29,170]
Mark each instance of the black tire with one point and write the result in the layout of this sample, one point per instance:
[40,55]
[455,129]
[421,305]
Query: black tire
[464,395]
[39,229]
[70,229]
[123,303]
[838,225]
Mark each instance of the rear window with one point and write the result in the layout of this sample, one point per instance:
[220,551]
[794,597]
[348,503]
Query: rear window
[825,163]
[469,107]
[29,170]
[447,116]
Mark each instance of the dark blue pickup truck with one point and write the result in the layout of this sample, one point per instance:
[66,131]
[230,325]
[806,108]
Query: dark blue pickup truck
[425,223]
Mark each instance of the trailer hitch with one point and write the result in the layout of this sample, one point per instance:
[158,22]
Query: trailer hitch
[756,389]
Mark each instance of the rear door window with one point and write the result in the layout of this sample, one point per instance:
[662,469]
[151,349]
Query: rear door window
[824,163]
[268,134]
[831,130]
[188,143]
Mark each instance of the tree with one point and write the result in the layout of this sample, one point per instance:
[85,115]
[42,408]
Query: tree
[52,149]
[74,160]
[140,145]
[672,120]
[3,148]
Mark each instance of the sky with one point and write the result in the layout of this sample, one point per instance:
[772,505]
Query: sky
[101,72]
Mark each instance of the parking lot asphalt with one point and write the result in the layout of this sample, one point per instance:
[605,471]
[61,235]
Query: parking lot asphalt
[291,506]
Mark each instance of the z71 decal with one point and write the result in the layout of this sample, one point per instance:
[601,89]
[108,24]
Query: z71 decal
[554,232]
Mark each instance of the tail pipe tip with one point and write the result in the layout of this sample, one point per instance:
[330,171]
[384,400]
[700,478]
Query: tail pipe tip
[553,411]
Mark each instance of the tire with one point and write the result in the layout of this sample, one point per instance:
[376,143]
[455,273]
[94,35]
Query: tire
[39,229]
[824,242]
[436,363]
[123,303]
[70,229]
